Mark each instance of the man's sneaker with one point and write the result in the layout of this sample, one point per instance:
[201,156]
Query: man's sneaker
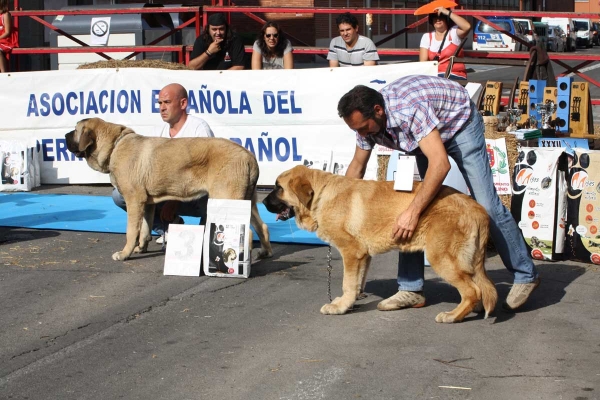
[519,294]
[163,238]
[402,299]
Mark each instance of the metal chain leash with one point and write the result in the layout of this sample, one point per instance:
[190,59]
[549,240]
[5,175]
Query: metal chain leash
[329,268]
[572,246]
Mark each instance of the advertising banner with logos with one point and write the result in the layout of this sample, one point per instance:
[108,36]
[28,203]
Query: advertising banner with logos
[284,117]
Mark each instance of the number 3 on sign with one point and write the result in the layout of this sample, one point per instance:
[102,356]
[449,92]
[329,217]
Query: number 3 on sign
[184,250]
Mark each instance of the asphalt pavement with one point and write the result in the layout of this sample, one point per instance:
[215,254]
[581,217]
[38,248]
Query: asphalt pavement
[78,325]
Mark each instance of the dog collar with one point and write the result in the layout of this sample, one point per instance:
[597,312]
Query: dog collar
[120,137]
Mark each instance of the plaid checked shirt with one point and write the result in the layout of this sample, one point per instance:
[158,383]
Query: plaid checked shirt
[414,106]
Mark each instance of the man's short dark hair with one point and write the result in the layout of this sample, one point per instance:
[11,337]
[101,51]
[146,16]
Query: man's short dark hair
[346,18]
[217,19]
[361,98]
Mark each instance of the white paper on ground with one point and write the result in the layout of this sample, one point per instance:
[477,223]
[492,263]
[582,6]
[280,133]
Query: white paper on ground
[184,250]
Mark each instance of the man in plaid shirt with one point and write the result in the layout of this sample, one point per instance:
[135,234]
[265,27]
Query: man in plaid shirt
[433,118]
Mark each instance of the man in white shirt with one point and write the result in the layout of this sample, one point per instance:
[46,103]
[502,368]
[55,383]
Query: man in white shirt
[351,49]
[173,101]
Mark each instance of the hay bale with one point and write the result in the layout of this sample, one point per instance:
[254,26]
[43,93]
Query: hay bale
[382,166]
[490,123]
[134,64]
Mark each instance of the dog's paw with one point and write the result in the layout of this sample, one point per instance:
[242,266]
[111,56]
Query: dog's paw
[262,253]
[119,256]
[333,309]
[445,318]
[140,249]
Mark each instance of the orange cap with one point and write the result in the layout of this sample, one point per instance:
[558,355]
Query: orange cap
[430,7]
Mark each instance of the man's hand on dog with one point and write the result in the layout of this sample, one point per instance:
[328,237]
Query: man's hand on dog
[406,223]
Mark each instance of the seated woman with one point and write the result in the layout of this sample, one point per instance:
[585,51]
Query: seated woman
[8,37]
[449,30]
[272,50]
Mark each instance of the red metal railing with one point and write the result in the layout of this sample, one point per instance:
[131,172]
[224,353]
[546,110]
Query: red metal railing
[200,14]
[85,48]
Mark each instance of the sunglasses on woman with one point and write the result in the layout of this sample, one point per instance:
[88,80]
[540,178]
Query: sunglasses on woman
[269,35]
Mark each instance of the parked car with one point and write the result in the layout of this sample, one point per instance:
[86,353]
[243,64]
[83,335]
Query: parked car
[486,37]
[541,34]
[595,33]
[527,26]
[557,39]
[568,26]
[583,28]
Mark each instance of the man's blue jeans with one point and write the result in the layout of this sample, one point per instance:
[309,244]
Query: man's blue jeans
[194,208]
[468,150]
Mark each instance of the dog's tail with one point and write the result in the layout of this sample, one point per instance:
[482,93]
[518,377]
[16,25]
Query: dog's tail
[489,295]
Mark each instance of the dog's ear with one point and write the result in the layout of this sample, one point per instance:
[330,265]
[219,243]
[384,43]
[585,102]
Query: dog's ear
[87,138]
[302,188]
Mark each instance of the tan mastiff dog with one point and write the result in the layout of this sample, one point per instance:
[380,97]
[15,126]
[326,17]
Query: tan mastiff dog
[357,217]
[149,170]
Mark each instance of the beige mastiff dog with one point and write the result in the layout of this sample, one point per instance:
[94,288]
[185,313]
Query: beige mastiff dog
[357,217]
[149,170]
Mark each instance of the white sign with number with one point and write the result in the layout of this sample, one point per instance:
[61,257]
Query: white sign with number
[184,250]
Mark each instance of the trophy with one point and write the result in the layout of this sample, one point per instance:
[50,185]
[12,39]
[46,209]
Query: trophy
[546,110]
[514,116]
[502,122]
[533,122]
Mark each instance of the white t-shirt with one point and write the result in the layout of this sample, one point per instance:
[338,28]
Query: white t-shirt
[193,127]
[435,44]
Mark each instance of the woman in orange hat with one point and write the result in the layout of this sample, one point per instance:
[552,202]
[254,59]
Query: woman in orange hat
[448,32]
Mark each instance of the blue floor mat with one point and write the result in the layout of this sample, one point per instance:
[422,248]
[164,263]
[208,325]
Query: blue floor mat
[99,214]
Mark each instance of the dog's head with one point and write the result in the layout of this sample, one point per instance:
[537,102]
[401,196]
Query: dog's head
[93,139]
[229,255]
[293,193]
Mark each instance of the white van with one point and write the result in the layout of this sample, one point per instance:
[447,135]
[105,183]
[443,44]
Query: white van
[568,27]
[527,26]
[584,32]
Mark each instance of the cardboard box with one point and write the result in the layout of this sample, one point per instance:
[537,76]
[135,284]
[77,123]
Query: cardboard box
[539,200]
[227,238]
[19,166]
[583,206]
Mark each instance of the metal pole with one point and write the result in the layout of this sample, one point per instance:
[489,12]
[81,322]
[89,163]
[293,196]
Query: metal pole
[369,18]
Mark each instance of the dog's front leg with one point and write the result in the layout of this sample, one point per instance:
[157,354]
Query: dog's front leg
[135,212]
[146,229]
[363,279]
[261,230]
[355,265]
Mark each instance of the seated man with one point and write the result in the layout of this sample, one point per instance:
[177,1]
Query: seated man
[173,100]
[351,49]
[218,47]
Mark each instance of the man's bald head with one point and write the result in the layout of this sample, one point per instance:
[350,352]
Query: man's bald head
[172,100]
[175,90]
